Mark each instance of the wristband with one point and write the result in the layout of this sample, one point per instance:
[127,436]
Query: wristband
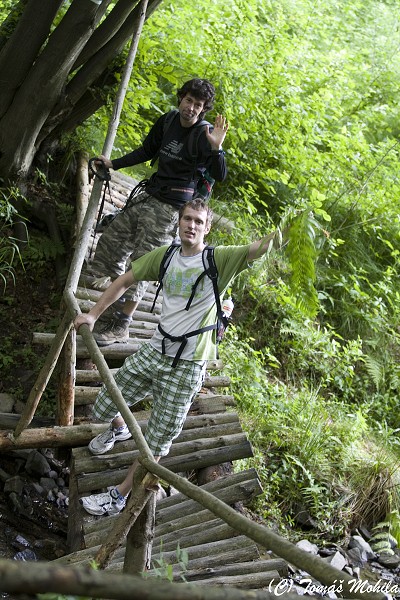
[217,152]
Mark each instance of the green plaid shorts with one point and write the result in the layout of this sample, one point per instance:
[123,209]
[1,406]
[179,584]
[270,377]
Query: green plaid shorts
[148,372]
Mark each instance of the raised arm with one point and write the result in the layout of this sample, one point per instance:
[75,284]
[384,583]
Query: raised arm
[260,247]
[112,293]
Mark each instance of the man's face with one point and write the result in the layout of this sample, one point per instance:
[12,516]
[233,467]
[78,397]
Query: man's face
[193,227]
[190,108]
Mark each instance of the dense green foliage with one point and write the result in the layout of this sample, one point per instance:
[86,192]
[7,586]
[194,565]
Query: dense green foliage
[312,97]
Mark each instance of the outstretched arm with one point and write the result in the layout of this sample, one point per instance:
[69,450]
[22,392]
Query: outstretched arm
[112,293]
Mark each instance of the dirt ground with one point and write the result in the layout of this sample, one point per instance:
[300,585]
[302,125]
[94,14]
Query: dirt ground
[28,305]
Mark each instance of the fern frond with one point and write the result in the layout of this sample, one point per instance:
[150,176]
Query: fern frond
[375,369]
[302,254]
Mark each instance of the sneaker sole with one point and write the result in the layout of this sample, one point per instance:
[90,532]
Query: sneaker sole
[102,343]
[123,437]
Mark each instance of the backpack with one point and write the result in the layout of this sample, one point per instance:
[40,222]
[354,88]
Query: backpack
[205,182]
[211,271]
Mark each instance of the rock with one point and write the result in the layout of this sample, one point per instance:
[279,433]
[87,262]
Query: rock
[307,546]
[356,541]
[356,557]
[6,403]
[47,483]
[20,542]
[391,562]
[337,560]
[4,476]
[303,518]
[14,484]
[26,555]
[37,464]
[38,488]
[364,532]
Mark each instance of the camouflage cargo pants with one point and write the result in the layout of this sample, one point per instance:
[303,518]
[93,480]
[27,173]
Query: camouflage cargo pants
[144,225]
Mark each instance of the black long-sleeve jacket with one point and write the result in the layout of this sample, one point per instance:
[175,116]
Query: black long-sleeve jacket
[175,179]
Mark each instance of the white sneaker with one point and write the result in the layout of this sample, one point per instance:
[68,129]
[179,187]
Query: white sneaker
[108,503]
[105,441]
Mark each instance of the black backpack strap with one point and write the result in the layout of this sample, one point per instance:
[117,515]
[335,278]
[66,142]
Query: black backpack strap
[181,338]
[193,143]
[212,272]
[193,138]
[170,251]
[102,173]
[210,269]
[169,117]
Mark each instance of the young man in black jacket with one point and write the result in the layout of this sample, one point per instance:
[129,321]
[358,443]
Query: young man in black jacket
[151,218]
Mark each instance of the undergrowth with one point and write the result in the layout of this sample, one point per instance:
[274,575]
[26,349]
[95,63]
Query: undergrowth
[323,464]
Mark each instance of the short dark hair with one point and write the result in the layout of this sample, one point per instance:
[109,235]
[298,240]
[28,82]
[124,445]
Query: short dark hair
[202,89]
[197,204]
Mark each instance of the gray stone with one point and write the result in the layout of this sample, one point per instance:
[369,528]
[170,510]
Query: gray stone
[47,483]
[356,557]
[307,546]
[4,476]
[6,403]
[391,562]
[37,464]
[337,560]
[14,484]
[38,488]
[356,541]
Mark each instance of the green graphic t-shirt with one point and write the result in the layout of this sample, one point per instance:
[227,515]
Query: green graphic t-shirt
[181,274]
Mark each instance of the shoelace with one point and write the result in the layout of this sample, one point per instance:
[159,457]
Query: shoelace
[111,323]
[107,436]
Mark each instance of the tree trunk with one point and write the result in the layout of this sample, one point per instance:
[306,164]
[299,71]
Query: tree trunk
[54,80]
[96,66]
[22,122]
[16,59]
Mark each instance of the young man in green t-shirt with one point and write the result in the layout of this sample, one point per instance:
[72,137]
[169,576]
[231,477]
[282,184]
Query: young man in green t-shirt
[153,369]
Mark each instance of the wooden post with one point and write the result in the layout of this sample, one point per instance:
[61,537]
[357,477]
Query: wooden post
[66,378]
[137,501]
[139,541]
[44,375]
[82,197]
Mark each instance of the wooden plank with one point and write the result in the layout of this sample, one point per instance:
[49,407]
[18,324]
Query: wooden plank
[256,566]
[87,395]
[243,581]
[192,422]
[95,464]
[224,558]
[182,462]
[212,551]
[92,375]
[75,540]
